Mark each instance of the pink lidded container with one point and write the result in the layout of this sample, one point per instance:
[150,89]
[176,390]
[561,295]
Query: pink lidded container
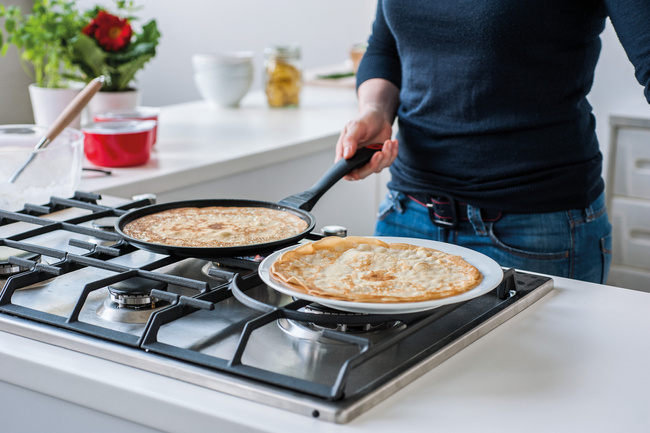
[119,144]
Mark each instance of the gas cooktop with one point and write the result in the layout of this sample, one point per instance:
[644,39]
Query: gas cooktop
[70,281]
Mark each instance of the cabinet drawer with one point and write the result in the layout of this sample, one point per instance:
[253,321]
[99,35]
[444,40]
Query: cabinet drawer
[630,278]
[632,168]
[631,232]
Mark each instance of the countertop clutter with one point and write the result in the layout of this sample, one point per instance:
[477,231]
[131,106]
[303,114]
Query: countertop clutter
[252,152]
[574,361]
[198,142]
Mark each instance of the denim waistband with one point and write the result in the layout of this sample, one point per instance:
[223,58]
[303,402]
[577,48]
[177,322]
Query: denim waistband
[445,211]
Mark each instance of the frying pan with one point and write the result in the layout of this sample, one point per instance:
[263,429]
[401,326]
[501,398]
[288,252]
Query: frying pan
[298,204]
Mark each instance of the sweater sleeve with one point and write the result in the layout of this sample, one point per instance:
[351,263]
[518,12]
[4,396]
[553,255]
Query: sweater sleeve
[381,59]
[631,21]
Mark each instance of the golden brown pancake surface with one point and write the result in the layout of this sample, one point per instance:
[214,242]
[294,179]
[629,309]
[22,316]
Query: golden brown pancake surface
[360,269]
[215,226]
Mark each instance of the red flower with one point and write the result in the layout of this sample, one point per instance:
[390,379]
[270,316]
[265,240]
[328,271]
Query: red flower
[112,33]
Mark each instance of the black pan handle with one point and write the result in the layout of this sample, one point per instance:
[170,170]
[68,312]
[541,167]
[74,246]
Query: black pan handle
[307,200]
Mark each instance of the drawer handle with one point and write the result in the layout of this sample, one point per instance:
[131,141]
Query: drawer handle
[642,164]
[640,234]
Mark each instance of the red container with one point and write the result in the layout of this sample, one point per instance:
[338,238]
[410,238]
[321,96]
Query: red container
[124,114]
[119,144]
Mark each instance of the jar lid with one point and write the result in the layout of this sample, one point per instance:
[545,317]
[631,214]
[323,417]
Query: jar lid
[290,50]
[129,113]
[113,128]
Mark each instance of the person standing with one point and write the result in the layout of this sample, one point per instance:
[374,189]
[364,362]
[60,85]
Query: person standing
[496,147]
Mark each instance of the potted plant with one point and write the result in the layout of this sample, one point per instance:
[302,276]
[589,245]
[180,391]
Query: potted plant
[40,37]
[108,45]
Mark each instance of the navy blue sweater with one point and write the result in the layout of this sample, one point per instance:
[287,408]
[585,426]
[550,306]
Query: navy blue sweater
[493,107]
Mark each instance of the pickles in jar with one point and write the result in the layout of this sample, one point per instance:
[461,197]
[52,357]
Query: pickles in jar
[283,83]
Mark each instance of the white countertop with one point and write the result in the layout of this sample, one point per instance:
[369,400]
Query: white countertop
[198,143]
[575,361]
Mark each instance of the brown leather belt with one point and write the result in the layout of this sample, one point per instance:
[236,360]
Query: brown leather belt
[446,212]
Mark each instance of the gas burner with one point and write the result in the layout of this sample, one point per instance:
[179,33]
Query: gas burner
[313,330]
[106,224]
[110,311]
[7,269]
[130,301]
[135,293]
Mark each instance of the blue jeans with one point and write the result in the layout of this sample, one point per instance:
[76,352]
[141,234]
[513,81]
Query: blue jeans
[574,244]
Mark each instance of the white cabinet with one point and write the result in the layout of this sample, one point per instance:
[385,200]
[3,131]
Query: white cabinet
[628,199]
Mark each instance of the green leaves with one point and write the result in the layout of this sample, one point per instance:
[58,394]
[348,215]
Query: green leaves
[87,55]
[10,25]
[40,37]
[119,67]
[51,42]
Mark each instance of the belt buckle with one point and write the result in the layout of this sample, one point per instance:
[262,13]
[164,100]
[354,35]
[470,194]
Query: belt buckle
[436,211]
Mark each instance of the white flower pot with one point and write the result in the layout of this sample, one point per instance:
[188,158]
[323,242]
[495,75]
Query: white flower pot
[48,103]
[109,101]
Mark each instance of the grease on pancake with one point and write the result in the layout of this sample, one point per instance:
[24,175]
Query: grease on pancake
[362,269]
[215,226]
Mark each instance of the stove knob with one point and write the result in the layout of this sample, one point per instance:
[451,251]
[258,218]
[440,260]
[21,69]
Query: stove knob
[334,231]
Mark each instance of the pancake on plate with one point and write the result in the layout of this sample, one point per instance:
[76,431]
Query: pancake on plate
[360,269]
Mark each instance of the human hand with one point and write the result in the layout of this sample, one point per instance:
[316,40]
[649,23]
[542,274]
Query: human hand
[370,127]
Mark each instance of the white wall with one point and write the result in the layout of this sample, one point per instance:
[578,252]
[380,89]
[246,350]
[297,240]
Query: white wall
[325,29]
[615,91]
[15,106]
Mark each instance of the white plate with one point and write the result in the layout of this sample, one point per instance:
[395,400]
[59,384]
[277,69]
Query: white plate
[491,271]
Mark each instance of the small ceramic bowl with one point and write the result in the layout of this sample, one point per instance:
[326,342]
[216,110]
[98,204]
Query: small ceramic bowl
[233,61]
[223,91]
[119,144]
[125,114]
[223,79]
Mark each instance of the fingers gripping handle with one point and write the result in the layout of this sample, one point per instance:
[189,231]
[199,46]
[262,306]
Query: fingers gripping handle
[307,199]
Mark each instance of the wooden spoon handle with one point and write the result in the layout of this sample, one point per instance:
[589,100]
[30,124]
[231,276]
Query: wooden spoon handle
[74,108]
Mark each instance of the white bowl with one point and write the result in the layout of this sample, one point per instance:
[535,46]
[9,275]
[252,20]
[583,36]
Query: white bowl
[55,171]
[224,92]
[235,60]
[225,73]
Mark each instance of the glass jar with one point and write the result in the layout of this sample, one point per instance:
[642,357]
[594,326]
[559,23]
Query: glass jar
[282,75]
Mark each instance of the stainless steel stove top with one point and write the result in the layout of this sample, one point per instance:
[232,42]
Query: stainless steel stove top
[215,324]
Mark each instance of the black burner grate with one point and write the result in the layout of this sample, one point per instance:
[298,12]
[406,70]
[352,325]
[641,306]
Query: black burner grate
[424,334]
[97,256]
[217,319]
